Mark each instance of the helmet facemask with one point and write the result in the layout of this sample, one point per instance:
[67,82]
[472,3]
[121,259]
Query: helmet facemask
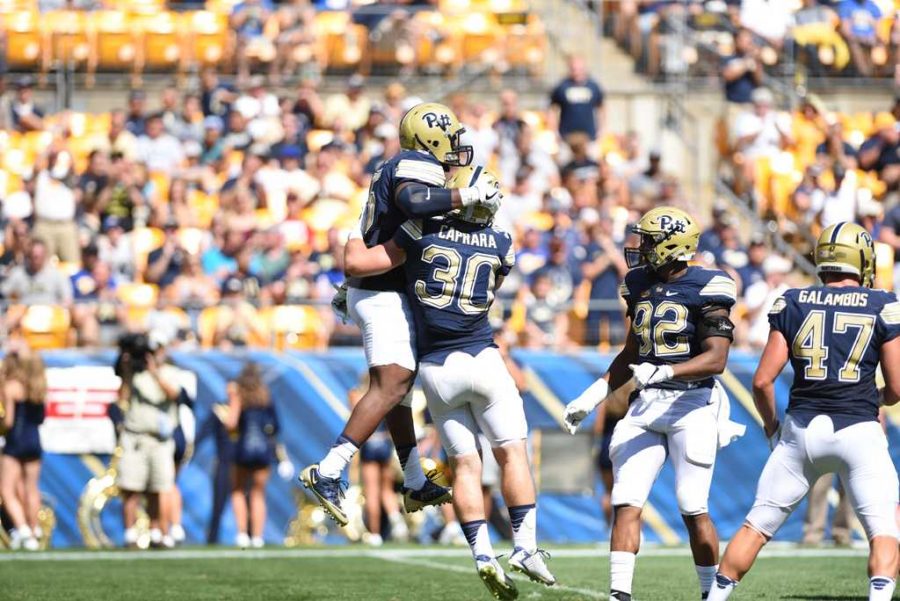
[644,253]
[459,156]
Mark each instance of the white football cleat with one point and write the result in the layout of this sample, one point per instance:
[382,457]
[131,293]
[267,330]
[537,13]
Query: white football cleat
[532,565]
[495,579]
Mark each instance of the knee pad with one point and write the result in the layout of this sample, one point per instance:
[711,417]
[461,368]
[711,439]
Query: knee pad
[767,519]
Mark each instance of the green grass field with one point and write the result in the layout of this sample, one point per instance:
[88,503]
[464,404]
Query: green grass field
[398,573]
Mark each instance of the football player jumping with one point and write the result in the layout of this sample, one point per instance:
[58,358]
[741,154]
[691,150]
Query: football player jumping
[834,335]
[679,339]
[453,266]
[410,185]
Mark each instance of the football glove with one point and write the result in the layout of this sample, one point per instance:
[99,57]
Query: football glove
[339,303]
[647,374]
[481,193]
[579,409]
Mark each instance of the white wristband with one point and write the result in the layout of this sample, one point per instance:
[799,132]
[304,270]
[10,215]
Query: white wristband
[469,196]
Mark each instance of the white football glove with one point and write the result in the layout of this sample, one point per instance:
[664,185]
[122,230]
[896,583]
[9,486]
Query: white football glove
[339,303]
[481,193]
[285,469]
[647,374]
[775,438]
[579,409]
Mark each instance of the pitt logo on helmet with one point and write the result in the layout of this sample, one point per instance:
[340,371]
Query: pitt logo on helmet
[846,248]
[666,235]
[442,121]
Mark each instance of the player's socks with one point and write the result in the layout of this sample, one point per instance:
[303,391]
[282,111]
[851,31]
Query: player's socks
[621,574]
[523,519]
[338,458]
[881,588]
[722,589]
[478,538]
[413,476]
[706,575]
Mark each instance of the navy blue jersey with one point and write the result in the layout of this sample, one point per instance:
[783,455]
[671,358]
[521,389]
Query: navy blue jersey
[257,429]
[835,337]
[451,273]
[382,216]
[665,315]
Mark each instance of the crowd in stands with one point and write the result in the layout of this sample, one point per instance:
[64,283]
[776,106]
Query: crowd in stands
[287,40]
[219,213]
[826,37]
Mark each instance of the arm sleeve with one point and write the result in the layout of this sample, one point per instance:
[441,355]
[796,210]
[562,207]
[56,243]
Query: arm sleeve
[418,200]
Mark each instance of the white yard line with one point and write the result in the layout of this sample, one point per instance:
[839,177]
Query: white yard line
[773,550]
[425,563]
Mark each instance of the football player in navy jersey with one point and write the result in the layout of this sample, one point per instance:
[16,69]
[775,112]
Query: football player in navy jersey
[409,185]
[453,266]
[834,336]
[679,339]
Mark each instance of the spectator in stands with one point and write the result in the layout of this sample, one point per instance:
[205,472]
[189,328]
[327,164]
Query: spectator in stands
[24,390]
[841,200]
[187,123]
[216,96]
[581,167]
[890,235]
[253,419]
[711,238]
[578,102]
[509,123]
[116,249]
[350,108]
[5,98]
[308,106]
[881,152]
[94,291]
[136,117]
[36,282]
[123,194]
[742,71]
[237,136]
[546,320]
[817,42]
[769,19]
[16,239]
[120,139]
[603,269]
[220,260]
[92,182]
[55,206]
[160,151]
[248,20]
[752,273]
[192,288]
[760,297]
[237,323]
[296,41]
[166,262]
[212,147]
[25,114]
[760,132]
[168,110]
[835,149]
[859,23]
[481,135]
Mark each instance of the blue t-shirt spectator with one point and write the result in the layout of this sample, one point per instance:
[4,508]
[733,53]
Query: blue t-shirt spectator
[861,15]
[849,150]
[577,102]
[739,90]
[254,15]
[214,261]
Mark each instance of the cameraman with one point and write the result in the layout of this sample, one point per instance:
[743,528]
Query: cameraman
[150,393]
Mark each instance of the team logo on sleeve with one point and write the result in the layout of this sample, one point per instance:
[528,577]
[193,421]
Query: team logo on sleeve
[433,119]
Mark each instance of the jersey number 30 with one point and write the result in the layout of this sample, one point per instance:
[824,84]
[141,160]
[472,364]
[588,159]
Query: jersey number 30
[457,280]
[809,343]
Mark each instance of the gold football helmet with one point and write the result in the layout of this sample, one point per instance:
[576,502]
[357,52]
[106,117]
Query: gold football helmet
[434,128]
[667,234]
[466,177]
[846,248]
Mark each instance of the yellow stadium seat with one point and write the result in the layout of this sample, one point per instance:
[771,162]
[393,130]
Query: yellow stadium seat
[294,327]
[13,6]
[210,318]
[138,295]
[23,39]
[223,7]
[45,326]
[162,41]
[145,240]
[341,41]
[480,36]
[118,44]
[68,38]
[205,206]
[207,35]
[525,45]
[884,266]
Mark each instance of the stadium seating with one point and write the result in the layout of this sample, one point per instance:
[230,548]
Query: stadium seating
[44,326]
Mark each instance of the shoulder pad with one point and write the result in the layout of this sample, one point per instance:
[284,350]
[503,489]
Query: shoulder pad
[890,313]
[420,170]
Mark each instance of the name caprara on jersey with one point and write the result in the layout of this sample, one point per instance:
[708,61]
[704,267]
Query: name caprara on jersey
[383,216]
[835,337]
[667,317]
[451,272]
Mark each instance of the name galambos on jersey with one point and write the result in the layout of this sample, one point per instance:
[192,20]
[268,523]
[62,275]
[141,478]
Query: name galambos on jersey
[834,299]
